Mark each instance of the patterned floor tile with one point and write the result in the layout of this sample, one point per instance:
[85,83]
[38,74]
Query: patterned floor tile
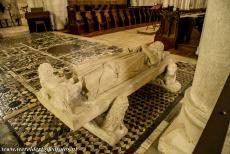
[16,50]
[13,95]
[25,59]
[186,67]
[7,139]
[37,125]
[26,66]
[85,49]
[12,41]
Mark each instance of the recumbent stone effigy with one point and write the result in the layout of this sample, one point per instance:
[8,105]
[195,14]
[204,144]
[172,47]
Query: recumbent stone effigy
[96,96]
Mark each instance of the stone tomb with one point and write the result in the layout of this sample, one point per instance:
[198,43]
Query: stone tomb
[96,96]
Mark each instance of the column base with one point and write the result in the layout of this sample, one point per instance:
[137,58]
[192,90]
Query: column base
[178,139]
[175,140]
[184,132]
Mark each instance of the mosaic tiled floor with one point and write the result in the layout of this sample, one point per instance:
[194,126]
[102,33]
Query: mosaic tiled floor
[37,127]
[23,58]
[13,95]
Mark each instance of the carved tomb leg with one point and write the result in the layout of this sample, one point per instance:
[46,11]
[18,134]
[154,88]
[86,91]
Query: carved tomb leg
[113,128]
[114,119]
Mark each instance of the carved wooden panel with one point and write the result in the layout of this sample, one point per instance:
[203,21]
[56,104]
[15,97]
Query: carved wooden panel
[90,2]
[108,19]
[115,18]
[121,17]
[102,18]
[129,18]
[90,21]
[80,23]
[168,29]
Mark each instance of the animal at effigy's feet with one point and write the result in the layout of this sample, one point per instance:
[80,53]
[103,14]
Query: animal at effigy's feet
[65,94]
[155,53]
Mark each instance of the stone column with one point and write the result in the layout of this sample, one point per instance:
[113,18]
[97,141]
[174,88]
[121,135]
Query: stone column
[213,68]
[187,4]
[192,4]
[140,2]
[133,3]
[175,3]
[165,3]
[171,3]
[182,5]
[200,4]
[34,3]
[58,10]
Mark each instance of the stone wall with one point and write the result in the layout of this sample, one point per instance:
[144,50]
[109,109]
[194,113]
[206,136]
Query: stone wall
[36,3]
[9,14]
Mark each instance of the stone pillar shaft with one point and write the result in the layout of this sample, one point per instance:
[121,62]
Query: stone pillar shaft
[214,51]
[213,68]
[58,10]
